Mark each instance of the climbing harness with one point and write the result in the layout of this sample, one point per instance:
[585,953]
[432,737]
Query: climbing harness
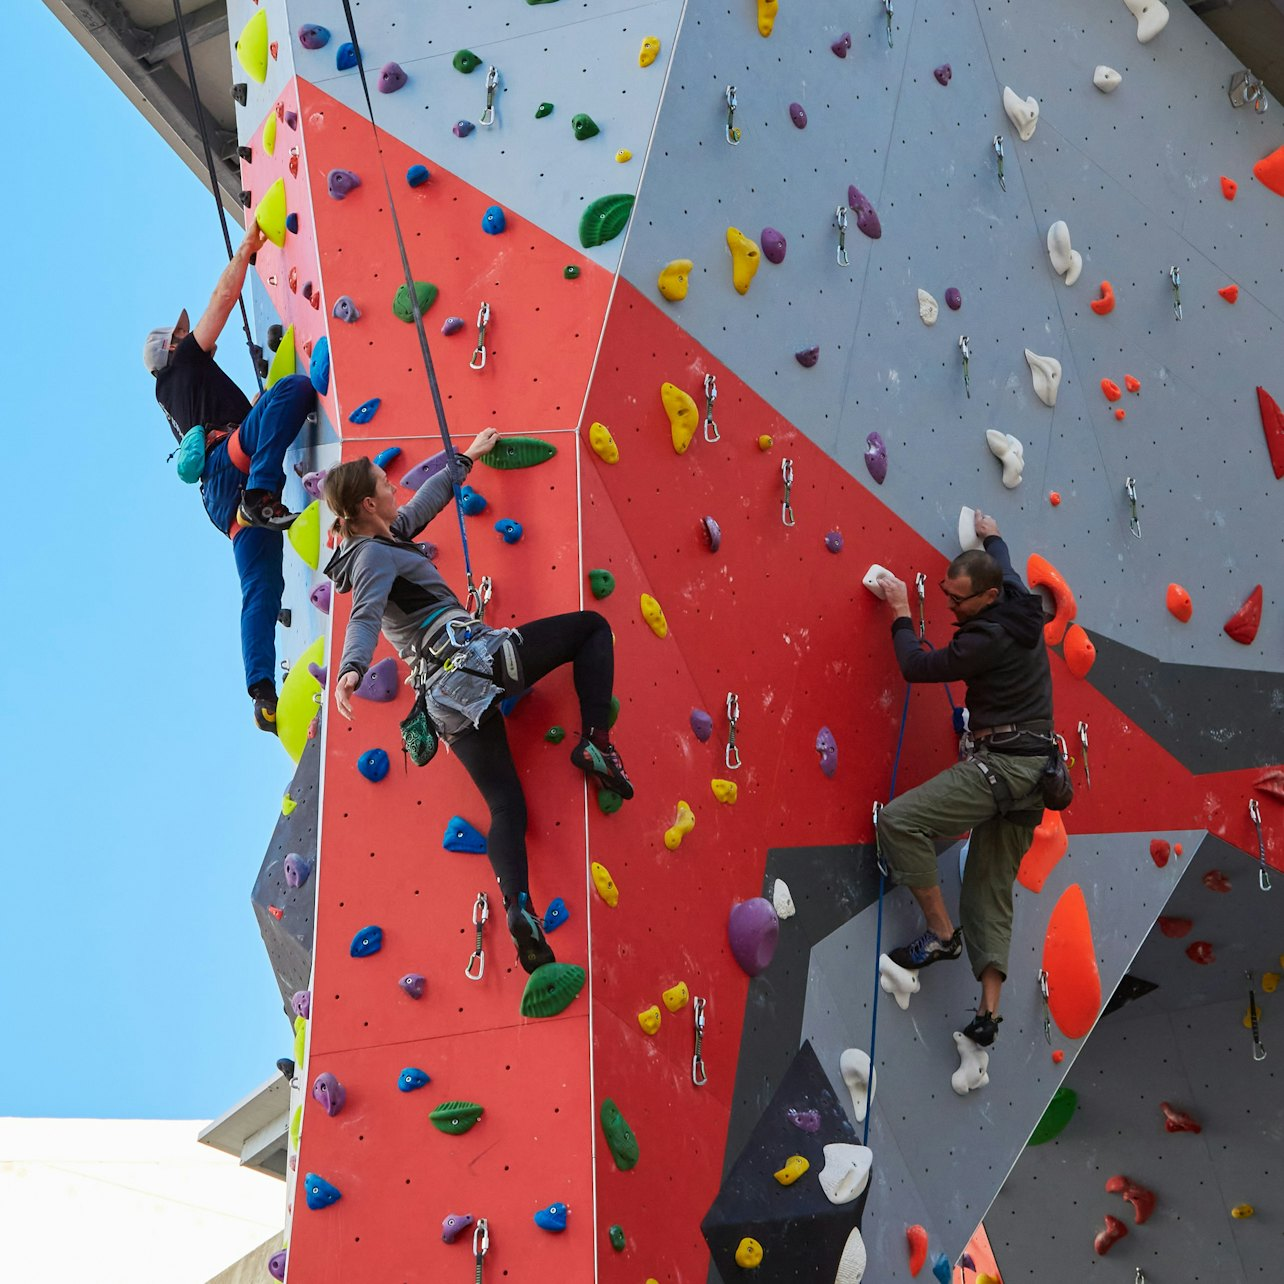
[1259,1052]
[477,959]
[1246,88]
[1047,1015]
[998,151]
[1130,489]
[698,1076]
[256,353]
[920,584]
[710,396]
[1174,275]
[787,508]
[732,757]
[492,84]
[479,352]
[888,10]
[1083,740]
[1263,874]
[840,214]
[481,1246]
[733,133]
[967,357]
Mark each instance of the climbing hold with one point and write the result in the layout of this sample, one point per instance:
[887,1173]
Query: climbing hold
[654,616]
[649,1020]
[604,219]
[604,884]
[313,36]
[901,983]
[462,128]
[1243,625]
[1176,1120]
[453,1224]
[827,748]
[782,902]
[876,457]
[623,156]
[319,367]
[649,51]
[413,984]
[363,414]
[1273,427]
[493,221]
[403,308]
[861,1079]
[601,583]
[1106,303]
[929,309]
[851,1266]
[415,477]
[329,1093]
[676,996]
[795,1167]
[1040,573]
[1115,1229]
[556,914]
[460,836]
[1069,959]
[1110,390]
[456,1117]
[682,413]
[1271,783]
[842,44]
[619,1136]
[767,10]
[973,1071]
[744,259]
[773,245]
[583,126]
[270,213]
[344,309]
[269,146]
[411,1079]
[285,358]
[846,1172]
[1216,881]
[1201,952]
[764,442]
[318,671]
[711,533]
[680,828]
[609,802]
[944,74]
[725,791]
[277,1263]
[1121,414]
[748,1253]
[471,501]
[1241,1211]
[1160,851]
[1078,651]
[673,279]
[1046,373]
[1132,383]
[1054,498]
[866,216]
[1022,112]
[418,175]
[1230,293]
[1066,262]
[1010,453]
[1055,1118]
[509,530]
[807,357]
[345,57]
[942,1269]
[297,872]
[603,443]
[916,1241]
[1229,188]
[380,683]
[798,114]
[1173,926]
[806,1120]
[519,452]
[616,1236]
[466,61]
[753,931]
[701,724]
[319,1193]
[339,182]
[368,941]
[301,1004]
[391,78]
[373,765]
[1107,79]
[1152,18]
[551,988]
[252,47]
[1141,1199]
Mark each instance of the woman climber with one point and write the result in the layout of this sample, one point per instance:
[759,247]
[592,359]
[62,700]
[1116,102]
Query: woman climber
[396,587]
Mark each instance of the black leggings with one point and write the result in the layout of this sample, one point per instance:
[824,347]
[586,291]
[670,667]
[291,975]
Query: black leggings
[581,638]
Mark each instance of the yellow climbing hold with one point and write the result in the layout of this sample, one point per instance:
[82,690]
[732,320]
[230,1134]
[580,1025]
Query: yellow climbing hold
[284,359]
[1241,1211]
[269,133]
[749,1253]
[252,47]
[605,884]
[296,1125]
[725,791]
[623,155]
[297,704]
[683,415]
[654,616]
[745,256]
[1270,982]
[300,1039]
[603,443]
[649,52]
[674,279]
[270,213]
[305,534]
[680,828]
[983,1278]
[765,442]
[676,997]
[794,1168]
[650,1020]
[767,16]
[288,805]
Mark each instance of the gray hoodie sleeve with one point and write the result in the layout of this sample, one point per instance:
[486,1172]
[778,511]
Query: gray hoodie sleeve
[428,501]
[372,581]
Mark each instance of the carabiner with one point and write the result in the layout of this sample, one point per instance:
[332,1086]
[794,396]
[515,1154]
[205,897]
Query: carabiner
[1174,275]
[732,756]
[478,599]
[967,357]
[733,134]
[1047,1017]
[481,1245]
[1130,489]
[1263,874]
[492,83]
[479,352]
[710,396]
[887,8]
[883,868]
[787,508]
[481,912]
[1259,1051]
[698,1076]
[998,151]
[840,214]
[1083,740]
[920,584]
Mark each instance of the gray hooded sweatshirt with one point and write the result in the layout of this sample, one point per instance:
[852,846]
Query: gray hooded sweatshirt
[393,583]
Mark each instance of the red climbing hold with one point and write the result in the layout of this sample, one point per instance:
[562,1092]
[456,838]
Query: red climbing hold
[1243,625]
[1141,1199]
[276,911]
[1201,952]
[1106,303]
[1273,427]
[1160,852]
[1057,1056]
[1229,292]
[1054,498]
[1132,383]
[1216,881]
[1178,1120]
[1171,925]
[1049,845]
[1271,783]
[917,1238]
[1269,171]
[274,48]
[1179,603]
[1110,390]
[1108,1238]
[1080,654]
[1121,414]
[1229,188]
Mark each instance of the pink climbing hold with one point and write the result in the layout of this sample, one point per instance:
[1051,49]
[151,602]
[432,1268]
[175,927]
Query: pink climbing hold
[320,596]
[1106,1240]
[842,44]
[1201,952]
[753,931]
[391,78]
[866,216]
[944,73]
[1160,851]
[1178,1120]
[1141,1199]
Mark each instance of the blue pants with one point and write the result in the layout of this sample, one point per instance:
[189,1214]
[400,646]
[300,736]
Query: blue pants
[267,433]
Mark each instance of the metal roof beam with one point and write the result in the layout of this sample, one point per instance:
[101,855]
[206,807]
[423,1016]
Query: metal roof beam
[203,24]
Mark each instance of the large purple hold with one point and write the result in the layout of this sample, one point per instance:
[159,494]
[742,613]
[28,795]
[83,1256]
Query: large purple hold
[339,182]
[807,357]
[421,472]
[876,457]
[773,245]
[834,541]
[701,724]
[298,870]
[320,596]
[827,747]
[318,671]
[842,44]
[943,73]
[380,683]
[313,36]
[953,299]
[413,983]
[391,78]
[753,930]
[312,482]
[798,114]
[301,1003]
[329,1092]
[866,217]
[276,1265]
[807,1120]
[712,533]
[345,310]
[453,1224]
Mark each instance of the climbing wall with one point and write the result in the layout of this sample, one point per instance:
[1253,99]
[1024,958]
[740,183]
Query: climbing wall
[811,357]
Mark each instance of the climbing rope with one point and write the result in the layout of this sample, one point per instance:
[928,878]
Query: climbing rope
[199,112]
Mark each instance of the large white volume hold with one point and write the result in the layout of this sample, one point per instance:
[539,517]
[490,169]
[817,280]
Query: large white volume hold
[1009,452]
[870,581]
[1066,261]
[1151,15]
[846,1171]
[899,982]
[1046,372]
[861,1080]
[781,900]
[973,1071]
[1022,112]
[851,1266]
[968,538]
[1107,79]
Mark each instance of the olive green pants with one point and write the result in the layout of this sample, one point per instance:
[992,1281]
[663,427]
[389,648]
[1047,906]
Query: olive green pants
[957,800]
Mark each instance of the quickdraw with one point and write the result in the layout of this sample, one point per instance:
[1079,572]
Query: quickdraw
[710,396]
[1083,740]
[967,357]
[998,152]
[481,1246]
[1263,873]
[478,598]
[732,757]
[1259,1052]
[840,214]
[733,132]
[492,84]
[698,1076]
[1174,275]
[1134,521]
[787,475]
[920,584]
[479,352]
[1047,1014]
[888,10]
[481,912]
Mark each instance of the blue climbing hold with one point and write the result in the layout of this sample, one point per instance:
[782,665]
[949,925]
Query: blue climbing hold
[365,412]
[942,1269]
[493,221]
[411,1078]
[320,1194]
[345,56]
[509,529]
[471,502]
[314,36]
[552,1218]
[460,836]
[292,223]
[373,764]
[387,455]
[368,941]
[556,914]
[319,370]
[418,175]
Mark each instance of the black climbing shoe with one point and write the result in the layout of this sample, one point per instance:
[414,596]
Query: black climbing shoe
[261,508]
[605,766]
[533,949]
[265,713]
[982,1028]
[927,949]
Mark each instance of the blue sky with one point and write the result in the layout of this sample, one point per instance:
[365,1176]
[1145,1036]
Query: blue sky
[137,796]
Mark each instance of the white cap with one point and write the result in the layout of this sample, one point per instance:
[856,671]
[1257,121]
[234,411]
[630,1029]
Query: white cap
[156,352]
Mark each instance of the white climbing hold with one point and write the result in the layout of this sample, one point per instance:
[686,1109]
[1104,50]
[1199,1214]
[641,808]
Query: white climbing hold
[781,899]
[1107,79]
[1046,372]
[1009,452]
[1066,261]
[851,1266]
[973,1071]
[1151,15]
[870,581]
[1022,112]
[861,1080]
[928,308]
[846,1171]
[899,982]
[968,538]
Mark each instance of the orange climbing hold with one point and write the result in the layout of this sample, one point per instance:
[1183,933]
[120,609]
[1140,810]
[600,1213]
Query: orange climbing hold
[1269,171]
[1178,602]
[1057,1056]
[1110,390]
[1243,625]
[1054,498]
[1132,383]
[1229,292]
[1070,960]
[1051,842]
[1107,301]
[1040,573]
[1229,188]
[916,1236]
[1121,414]
[1080,654]
[1273,427]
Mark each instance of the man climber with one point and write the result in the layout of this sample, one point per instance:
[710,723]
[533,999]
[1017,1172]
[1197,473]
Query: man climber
[998,651]
[243,471]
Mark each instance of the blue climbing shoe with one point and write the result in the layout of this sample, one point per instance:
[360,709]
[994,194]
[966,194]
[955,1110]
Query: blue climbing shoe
[533,949]
[604,766]
[927,949]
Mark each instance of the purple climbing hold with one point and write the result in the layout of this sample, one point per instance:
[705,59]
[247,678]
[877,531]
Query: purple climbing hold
[380,683]
[798,114]
[344,309]
[415,477]
[953,299]
[773,245]
[807,357]
[339,182]
[276,1265]
[313,36]
[967,1263]
[452,325]
[842,44]
[827,747]
[807,1120]
[701,724]
[834,541]
[301,1004]
[318,671]
[866,217]
[320,596]
[876,457]
[331,1094]
[413,984]
[291,119]
[298,869]
[712,533]
[454,1224]
[943,73]
[753,930]
[312,482]
[462,128]
[391,78]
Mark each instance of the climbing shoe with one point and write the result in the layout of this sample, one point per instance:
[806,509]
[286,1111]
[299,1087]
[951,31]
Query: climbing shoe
[533,949]
[982,1028]
[604,765]
[262,508]
[927,949]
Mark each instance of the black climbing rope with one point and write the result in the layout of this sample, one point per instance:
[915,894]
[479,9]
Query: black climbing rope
[199,112]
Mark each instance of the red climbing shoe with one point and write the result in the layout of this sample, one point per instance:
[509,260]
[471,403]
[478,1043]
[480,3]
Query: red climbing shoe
[605,766]
[261,508]
[927,949]
[982,1029]
[533,949]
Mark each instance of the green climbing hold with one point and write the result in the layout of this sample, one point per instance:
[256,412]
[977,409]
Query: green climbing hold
[1055,1117]
[519,452]
[584,126]
[571,272]
[601,583]
[609,802]
[551,988]
[544,109]
[619,1136]
[555,735]
[425,292]
[617,1238]
[455,1117]
[615,712]
[466,61]
[604,219]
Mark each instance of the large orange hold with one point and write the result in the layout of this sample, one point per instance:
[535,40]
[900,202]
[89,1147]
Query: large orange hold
[1178,602]
[1080,654]
[1051,842]
[1107,301]
[1040,573]
[1269,171]
[1070,960]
